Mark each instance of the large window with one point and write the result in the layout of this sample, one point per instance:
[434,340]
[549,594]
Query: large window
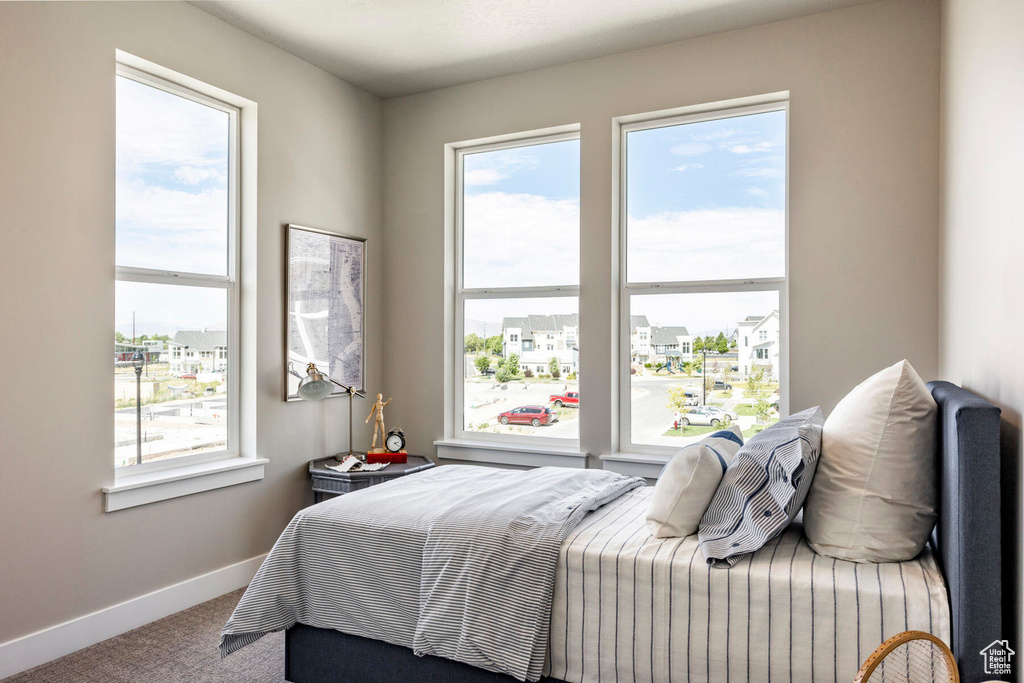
[517,304]
[176,296]
[703,329]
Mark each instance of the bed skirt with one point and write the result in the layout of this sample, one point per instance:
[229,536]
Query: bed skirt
[316,655]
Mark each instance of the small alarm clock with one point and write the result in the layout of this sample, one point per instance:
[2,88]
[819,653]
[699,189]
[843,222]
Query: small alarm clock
[395,441]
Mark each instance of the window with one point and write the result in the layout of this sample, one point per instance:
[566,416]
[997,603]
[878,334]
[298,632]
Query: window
[703,225]
[518,246]
[176,295]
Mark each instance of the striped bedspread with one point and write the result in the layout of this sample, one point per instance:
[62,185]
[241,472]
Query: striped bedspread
[455,561]
[629,607]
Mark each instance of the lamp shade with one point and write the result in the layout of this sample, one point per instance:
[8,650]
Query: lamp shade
[315,385]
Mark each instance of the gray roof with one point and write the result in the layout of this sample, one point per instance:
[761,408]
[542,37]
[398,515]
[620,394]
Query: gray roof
[636,321]
[667,335]
[199,340]
[754,318]
[533,324]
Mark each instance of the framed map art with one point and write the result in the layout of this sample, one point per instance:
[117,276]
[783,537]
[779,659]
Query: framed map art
[325,281]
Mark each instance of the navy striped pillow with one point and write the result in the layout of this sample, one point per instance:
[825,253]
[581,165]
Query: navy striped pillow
[763,488]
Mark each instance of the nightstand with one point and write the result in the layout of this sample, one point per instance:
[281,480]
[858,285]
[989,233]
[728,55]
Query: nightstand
[331,483]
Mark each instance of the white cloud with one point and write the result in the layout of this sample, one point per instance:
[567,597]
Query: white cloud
[687,167]
[483,176]
[155,127]
[192,175]
[691,148]
[505,234]
[761,172]
[159,227]
[757,191]
[490,168]
[714,244]
[749,149]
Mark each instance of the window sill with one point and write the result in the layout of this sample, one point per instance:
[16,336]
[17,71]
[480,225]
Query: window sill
[636,464]
[142,489]
[524,455]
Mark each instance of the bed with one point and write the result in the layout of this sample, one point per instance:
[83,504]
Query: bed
[627,607]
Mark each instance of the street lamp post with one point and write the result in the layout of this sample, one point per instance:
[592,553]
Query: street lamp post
[137,362]
[704,372]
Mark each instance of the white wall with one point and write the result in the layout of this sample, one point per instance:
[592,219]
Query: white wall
[864,86]
[982,315]
[319,165]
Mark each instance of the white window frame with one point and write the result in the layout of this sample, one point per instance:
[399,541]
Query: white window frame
[627,289]
[228,283]
[463,294]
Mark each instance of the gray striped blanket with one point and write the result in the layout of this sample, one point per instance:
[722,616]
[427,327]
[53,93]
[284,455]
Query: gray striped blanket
[457,562]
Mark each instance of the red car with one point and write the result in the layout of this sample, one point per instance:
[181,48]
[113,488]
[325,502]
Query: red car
[528,415]
[570,399]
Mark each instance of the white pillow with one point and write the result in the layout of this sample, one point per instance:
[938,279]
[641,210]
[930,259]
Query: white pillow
[688,482]
[874,496]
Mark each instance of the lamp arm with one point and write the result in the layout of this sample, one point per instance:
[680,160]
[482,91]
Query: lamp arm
[348,389]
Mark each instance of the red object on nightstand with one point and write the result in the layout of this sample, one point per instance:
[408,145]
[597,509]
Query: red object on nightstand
[399,457]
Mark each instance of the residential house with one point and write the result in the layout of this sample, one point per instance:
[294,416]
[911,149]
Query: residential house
[639,339]
[536,339]
[195,351]
[671,346]
[757,343]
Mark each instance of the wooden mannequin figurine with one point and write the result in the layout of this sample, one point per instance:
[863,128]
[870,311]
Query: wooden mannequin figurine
[378,425]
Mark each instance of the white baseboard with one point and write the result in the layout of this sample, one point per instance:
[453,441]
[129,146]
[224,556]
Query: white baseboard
[50,643]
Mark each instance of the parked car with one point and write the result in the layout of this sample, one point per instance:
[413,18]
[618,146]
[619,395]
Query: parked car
[692,399]
[569,398]
[723,412]
[528,415]
[701,415]
[721,386]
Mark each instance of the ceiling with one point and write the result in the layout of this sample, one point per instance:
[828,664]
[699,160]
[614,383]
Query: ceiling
[399,47]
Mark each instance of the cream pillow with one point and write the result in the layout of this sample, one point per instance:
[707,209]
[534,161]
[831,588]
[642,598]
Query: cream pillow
[688,482]
[874,496]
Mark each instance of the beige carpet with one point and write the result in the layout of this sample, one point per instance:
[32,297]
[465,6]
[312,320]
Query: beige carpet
[181,647]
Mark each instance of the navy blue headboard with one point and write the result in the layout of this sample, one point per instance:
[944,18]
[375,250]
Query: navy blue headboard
[968,535]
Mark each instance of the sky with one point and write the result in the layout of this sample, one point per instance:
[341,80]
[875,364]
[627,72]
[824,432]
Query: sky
[172,206]
[517,204]
[705,201]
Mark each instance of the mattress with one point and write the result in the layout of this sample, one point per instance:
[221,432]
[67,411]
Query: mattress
[630,607]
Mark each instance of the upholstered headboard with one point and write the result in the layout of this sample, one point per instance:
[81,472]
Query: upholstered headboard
[968,535]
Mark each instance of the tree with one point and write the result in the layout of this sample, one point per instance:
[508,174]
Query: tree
[677,399]
[709,342]
[494,345]
[762,409]
[508,369]
[755,381]
[688,369]
[721,343]
[553,367]
[473,343]
[698,344]
[482,363]
[120,338]
[696,364]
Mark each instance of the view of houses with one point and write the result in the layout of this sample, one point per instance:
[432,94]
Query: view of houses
[183,386]
[535,360]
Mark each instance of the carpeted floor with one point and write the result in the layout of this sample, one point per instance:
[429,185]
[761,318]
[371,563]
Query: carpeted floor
[180,648]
